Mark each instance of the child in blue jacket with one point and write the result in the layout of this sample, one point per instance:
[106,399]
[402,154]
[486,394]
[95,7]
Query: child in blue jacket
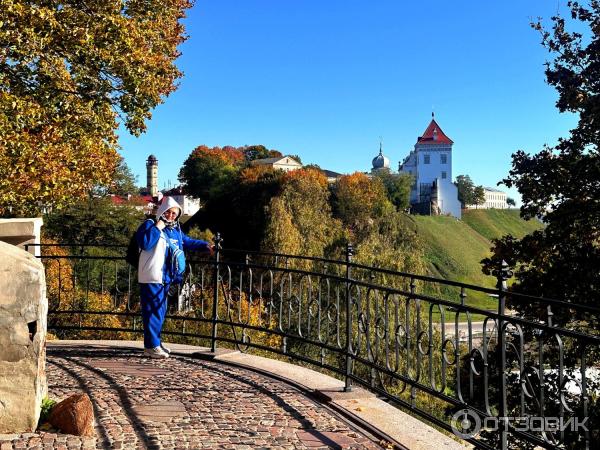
[157,240]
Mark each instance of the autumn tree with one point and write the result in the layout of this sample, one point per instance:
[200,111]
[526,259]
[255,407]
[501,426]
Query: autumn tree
[299,219]
[358,201]
[381,235]
[234,194]
[70,73]
[562,183]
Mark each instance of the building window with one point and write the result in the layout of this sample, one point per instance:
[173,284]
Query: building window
[443,175]
[444,158]
[426,159]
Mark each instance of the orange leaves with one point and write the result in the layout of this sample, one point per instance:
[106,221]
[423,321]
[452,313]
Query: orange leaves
[228,155]
[360,201]
[253,174]
[357,194]
[306,175]
[48,162]
[69,74]
[299,219]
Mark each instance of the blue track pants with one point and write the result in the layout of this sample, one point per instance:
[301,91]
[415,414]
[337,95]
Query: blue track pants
[154,308]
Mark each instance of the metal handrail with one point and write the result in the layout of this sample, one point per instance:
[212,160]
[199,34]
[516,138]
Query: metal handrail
[395,337]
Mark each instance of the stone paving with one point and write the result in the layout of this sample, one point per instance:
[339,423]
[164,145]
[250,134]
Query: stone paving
[184,403]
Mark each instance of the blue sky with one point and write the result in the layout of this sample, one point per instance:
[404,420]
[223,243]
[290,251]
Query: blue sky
[325,79]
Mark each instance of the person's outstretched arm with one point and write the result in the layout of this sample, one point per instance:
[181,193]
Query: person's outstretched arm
[196,244]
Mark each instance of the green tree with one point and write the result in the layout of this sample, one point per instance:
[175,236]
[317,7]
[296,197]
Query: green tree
[465,189]
[252,152]
[468,192]
[561,183]
[69,71]
[207,172]
[296,158]
[312,166]
[510,201]
[478,195]
[93,221]
[398,187]
[123,182]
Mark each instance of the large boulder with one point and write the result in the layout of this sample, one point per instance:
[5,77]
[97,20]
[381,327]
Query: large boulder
[74,415]
[23,316]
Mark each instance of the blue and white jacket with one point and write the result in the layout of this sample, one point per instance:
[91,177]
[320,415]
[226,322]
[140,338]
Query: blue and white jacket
[153,267]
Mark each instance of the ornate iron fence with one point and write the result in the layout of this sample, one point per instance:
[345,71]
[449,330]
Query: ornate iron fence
[494,379]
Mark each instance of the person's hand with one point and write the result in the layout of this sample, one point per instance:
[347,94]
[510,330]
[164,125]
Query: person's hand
[160,224]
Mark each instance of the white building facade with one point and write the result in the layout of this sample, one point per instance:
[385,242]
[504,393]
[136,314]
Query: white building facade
[284,163]
[494,199]
[430,163]
[189,205]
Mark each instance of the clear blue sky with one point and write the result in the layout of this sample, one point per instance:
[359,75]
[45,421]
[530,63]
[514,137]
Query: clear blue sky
[325,78]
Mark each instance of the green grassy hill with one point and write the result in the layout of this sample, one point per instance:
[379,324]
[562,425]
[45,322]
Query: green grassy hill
[495,223]
[454,248]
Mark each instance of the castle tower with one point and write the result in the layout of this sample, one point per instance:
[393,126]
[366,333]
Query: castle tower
[430,163]
[152,175]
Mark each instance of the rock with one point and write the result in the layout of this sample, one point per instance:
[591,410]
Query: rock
[74,415]
[23,316]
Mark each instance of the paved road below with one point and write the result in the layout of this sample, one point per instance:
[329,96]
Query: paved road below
[184,403]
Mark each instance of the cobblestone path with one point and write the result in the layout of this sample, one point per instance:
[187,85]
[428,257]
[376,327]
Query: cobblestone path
[183,403]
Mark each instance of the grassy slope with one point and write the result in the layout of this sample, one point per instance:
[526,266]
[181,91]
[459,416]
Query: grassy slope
[454,248]
[495,223]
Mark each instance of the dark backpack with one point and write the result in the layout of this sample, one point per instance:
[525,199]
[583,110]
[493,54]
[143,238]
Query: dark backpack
[132,256]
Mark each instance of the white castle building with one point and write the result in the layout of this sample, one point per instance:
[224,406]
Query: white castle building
[430,163]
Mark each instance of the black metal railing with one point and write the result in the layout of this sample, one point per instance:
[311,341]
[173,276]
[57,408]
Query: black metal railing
[450,352]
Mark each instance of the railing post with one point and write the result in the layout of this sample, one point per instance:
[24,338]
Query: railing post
[503,274]
[216,278]
[348,368]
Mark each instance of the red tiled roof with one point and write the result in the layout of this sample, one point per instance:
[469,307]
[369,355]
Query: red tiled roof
[118,200]
[139,200]
[434,130]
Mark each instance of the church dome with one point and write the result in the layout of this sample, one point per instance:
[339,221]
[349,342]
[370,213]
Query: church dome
[380,161]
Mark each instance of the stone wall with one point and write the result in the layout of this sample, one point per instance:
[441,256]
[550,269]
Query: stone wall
[21,232]
[23,316]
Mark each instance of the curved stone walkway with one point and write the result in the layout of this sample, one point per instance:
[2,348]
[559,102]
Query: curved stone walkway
[184,403]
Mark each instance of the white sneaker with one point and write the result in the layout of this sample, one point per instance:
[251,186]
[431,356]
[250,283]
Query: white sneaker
[156,352]
[165,349]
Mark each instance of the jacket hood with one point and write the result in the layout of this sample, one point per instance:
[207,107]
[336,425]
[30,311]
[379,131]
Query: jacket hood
[168,203]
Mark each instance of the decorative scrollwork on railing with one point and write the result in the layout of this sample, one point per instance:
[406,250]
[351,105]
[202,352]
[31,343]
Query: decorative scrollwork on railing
[420,342]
